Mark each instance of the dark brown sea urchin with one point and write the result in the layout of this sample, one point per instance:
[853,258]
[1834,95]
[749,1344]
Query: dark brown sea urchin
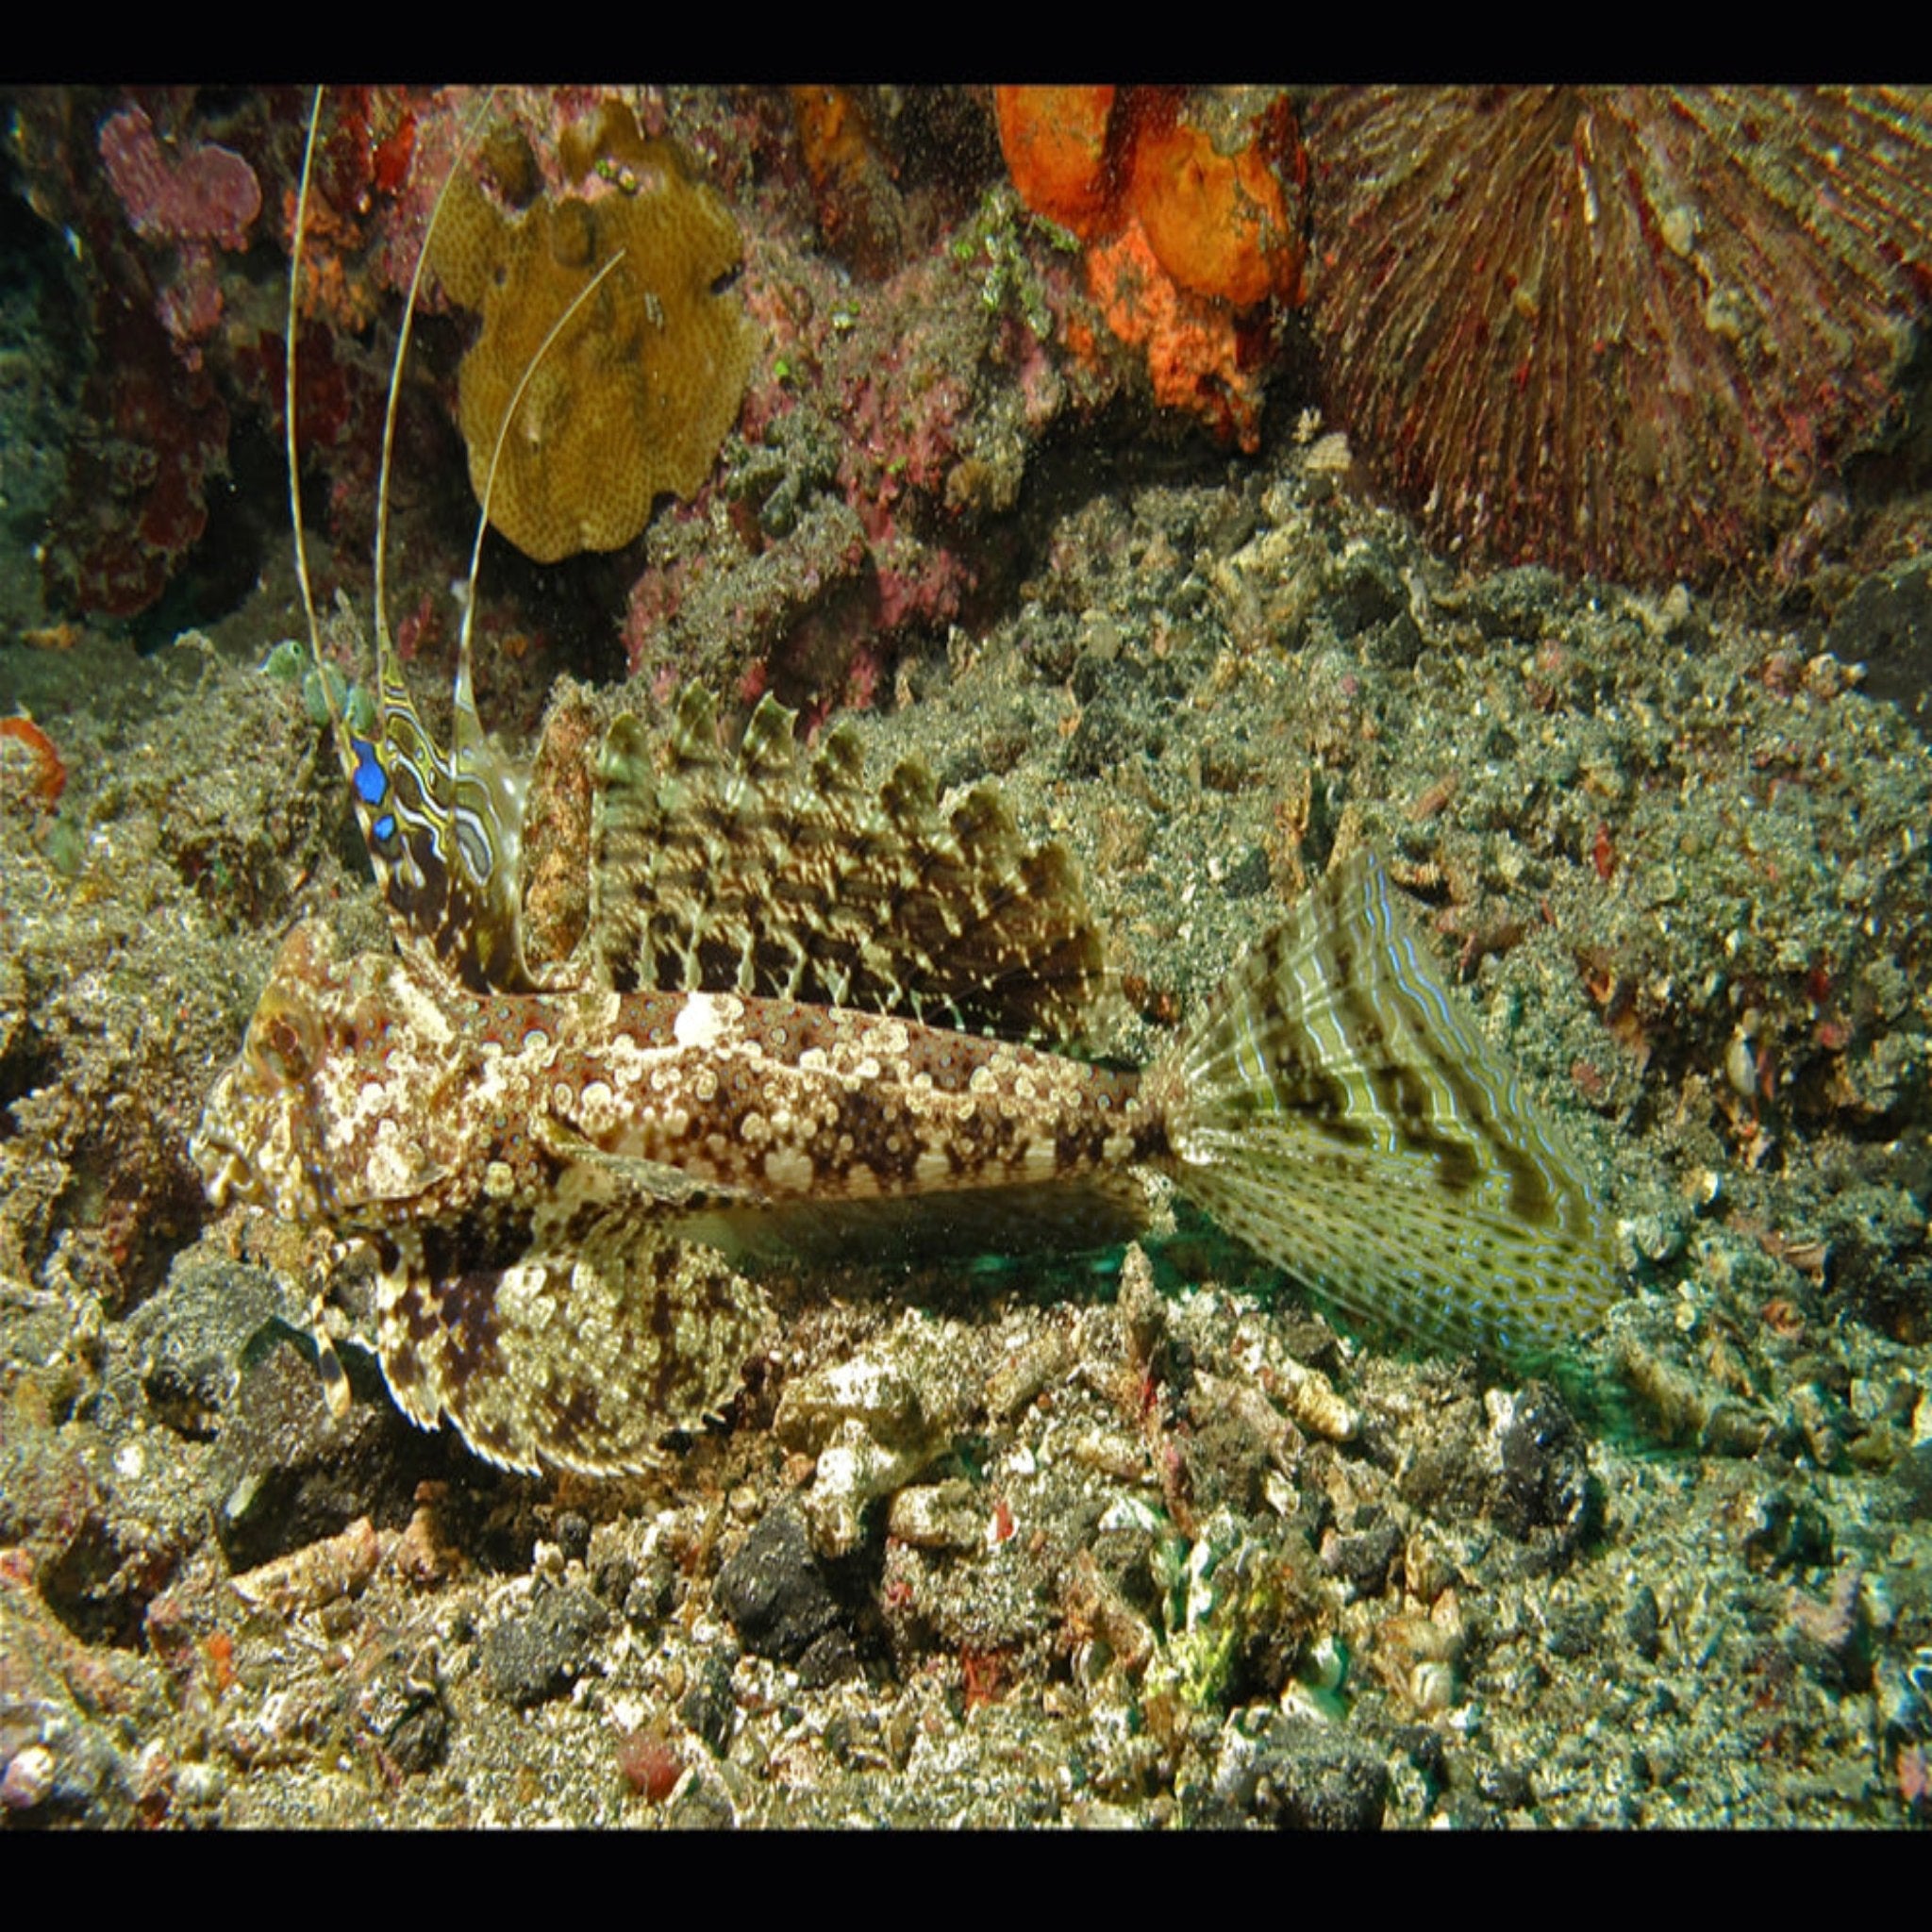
[1617,330]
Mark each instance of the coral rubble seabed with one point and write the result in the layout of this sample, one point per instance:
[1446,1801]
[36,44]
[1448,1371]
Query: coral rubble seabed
[1007,1541]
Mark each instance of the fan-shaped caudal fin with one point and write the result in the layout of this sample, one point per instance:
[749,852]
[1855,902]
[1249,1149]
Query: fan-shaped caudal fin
[1339,1110]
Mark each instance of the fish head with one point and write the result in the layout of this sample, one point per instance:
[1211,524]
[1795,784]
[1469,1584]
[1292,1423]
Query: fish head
[318,1118]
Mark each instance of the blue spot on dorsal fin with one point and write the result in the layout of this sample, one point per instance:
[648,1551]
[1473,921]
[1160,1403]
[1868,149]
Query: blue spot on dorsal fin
[369,779]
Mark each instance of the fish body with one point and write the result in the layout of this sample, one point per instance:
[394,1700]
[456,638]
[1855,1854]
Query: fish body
[810,1014]
[558,1187]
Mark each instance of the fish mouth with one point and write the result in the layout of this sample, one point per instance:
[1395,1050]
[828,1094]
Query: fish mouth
[227,1173]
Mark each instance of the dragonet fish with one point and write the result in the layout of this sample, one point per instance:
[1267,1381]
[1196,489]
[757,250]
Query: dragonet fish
[808,1012]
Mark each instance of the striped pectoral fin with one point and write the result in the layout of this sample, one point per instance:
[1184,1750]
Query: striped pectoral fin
[581,1357]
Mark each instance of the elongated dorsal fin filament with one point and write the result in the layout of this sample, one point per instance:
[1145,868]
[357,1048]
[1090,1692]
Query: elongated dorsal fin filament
[338,729]
[466,729]
[471,131]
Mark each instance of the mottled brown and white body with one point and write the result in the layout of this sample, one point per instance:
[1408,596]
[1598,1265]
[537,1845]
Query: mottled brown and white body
[367,1098]
[540,1173]
[558,1186]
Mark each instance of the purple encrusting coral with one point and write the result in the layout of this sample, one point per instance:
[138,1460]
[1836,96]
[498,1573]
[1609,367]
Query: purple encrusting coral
[206,199]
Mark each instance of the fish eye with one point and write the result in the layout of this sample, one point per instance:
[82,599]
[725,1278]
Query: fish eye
[282,1044]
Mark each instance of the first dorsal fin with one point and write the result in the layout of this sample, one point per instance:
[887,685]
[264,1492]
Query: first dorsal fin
[764,873]
[444,828]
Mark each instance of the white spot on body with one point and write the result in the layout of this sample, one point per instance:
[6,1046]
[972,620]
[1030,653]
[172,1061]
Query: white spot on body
[702,1018]
[627,1062]
[395,1169]
[419,1012]
[789,1171]
[597,1109]
[355,1108]
[489,1084]
[526,1296]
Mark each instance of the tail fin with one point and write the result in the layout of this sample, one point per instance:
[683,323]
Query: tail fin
[1337,1108]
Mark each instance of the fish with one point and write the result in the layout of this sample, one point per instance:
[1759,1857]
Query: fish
[810,1015]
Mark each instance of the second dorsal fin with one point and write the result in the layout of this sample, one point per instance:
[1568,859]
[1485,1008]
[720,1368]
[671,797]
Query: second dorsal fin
[771,874]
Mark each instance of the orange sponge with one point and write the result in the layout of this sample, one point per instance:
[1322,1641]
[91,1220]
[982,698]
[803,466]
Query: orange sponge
[1220,204]
[1055,140]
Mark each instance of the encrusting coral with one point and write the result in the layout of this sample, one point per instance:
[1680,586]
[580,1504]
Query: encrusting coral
[636,394]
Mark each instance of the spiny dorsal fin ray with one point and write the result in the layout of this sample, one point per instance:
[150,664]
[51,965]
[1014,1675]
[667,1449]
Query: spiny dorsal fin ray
[763,873]
[694,730]
[1338,1108]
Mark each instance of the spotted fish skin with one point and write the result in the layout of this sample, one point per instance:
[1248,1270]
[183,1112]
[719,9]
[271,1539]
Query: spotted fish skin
[366,1095]
[553,1184]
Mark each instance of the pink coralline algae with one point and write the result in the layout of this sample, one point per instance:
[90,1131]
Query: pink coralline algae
[209,194]
[201,200]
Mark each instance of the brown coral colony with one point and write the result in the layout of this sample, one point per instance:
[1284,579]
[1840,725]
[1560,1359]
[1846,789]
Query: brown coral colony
[1619,331]
[636,393]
